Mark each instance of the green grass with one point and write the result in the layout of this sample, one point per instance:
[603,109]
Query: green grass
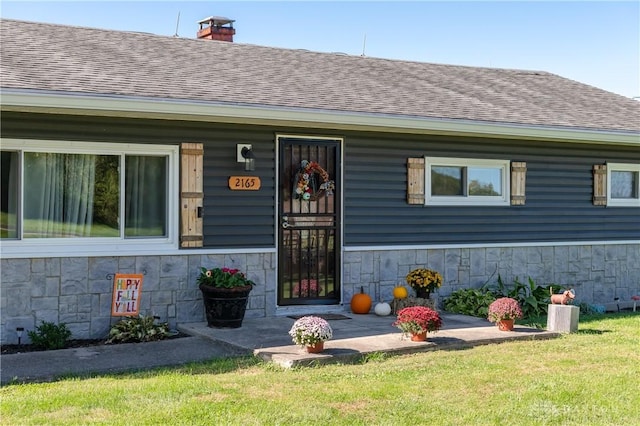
[591,377]
[33,227]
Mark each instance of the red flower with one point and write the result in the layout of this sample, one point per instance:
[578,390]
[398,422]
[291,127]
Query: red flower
[418,319]
[307,288]
[223,277]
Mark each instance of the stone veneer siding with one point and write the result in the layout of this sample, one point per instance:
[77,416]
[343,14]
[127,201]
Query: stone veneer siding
[78,291]
[598,273]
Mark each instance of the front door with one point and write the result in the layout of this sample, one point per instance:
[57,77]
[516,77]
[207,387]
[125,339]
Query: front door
[309,219]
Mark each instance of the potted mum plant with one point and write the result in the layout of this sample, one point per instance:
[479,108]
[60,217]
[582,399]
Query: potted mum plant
[417,321]
[225,293]
[504,311]
[424,281]
[311,332]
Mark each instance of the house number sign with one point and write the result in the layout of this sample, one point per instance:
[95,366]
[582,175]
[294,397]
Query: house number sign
[244,183]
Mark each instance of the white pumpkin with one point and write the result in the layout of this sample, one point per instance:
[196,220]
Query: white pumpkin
[382,309]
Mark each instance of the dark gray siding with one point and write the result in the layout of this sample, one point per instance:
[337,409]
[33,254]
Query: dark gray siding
[559,183]
[238,218]
[231,218]
[559,191]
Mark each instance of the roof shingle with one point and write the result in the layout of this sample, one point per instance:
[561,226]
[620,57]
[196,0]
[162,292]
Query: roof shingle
[61,58]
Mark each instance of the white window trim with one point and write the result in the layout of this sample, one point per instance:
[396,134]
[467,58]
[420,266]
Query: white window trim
[502,200]
[622,167]
[99,246]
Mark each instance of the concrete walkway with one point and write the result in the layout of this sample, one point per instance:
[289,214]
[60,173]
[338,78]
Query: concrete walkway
[266,338]
[357,336]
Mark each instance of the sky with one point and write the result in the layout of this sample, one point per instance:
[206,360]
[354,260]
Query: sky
[593,42]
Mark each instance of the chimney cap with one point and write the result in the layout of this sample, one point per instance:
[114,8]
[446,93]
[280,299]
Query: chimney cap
[216,21]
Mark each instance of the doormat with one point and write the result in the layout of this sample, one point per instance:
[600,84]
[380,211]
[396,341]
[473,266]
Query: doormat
[327,317]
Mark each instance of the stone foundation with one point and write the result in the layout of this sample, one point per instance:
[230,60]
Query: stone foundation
[78,291]
[598,273]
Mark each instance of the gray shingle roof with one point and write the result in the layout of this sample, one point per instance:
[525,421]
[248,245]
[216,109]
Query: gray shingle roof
[92,61]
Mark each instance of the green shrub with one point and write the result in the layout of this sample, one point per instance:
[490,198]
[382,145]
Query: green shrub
[138,329]
[50,336]
[469,301]
[533,298]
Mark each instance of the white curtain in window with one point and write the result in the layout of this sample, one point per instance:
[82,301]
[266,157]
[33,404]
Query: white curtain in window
[145,196]
[80,177]
[59,194]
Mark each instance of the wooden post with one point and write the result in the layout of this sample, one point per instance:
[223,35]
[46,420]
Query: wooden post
[563,318]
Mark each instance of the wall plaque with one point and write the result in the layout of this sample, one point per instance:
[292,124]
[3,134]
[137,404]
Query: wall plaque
[244,183]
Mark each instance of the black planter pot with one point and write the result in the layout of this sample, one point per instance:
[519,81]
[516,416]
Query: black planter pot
[422,293]
[225,307]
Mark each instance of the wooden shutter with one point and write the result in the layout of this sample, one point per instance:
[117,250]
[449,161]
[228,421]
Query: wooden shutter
[415,180]
[518,183]
[599,184]
[191,195]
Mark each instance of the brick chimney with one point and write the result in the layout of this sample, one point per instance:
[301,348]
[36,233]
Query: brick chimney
[216,28]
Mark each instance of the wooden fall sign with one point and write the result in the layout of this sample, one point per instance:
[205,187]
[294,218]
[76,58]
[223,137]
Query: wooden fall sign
[127,289]
[244,183]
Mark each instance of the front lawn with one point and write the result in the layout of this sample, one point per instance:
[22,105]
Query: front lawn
[591,377]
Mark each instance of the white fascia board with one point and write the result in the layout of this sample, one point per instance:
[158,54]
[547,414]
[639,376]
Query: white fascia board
[171,109]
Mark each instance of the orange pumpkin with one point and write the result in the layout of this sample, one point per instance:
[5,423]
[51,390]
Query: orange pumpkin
[400,292]
[361,302]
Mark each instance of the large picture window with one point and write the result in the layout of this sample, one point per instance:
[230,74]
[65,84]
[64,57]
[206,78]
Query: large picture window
[456,181]
[86,192]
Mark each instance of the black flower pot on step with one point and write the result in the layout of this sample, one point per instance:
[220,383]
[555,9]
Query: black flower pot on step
[225,307]
[423,293]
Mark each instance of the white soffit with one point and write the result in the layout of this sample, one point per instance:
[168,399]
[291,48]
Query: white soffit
[170,109]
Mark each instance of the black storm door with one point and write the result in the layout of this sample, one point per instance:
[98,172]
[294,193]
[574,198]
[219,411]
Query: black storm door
[309,219]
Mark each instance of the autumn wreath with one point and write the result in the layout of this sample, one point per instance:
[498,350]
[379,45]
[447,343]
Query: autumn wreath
[308,178]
